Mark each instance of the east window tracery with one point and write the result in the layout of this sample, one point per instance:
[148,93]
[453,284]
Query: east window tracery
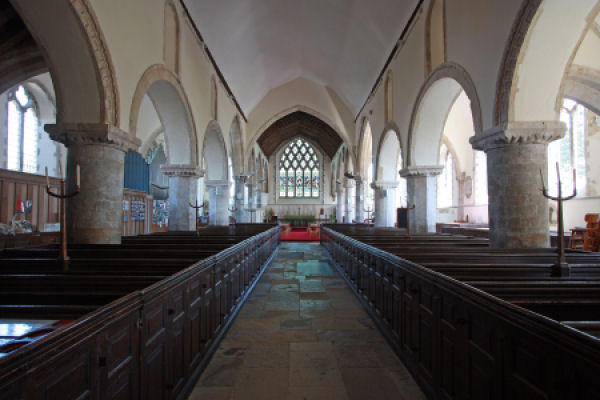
[299,171]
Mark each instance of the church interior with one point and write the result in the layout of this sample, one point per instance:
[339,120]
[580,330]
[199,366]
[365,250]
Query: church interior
[299,200]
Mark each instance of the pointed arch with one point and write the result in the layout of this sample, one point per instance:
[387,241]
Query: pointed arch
[365,149]
[173,108]
[237,146]
[82,73]
[433,104]
[214,151]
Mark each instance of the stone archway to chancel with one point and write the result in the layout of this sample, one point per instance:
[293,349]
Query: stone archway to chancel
[160,111]
[216,174]
[326,142]
[429,116]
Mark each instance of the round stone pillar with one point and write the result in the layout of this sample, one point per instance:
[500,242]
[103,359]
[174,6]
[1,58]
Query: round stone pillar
[349,201]
[384,203]
[422,193]
[238,201]
[218,202]
[516,152]
[183,191]
[95,215]
[359,203]
[339,203]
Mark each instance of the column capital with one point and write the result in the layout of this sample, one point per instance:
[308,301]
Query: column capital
[384,185]
[519,132]
[216,183]
[92,133]
[421,170]
[183,170]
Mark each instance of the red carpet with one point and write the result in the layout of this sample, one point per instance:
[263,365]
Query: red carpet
[299,236]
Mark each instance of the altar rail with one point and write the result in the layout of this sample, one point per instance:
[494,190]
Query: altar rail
[149,344]
[460,342]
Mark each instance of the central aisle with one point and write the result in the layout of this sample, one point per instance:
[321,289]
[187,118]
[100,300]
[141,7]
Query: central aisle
[303,335]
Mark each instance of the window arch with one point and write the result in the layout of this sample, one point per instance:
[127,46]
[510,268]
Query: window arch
[445,179]
[569,151]
[299,171]
[23,127]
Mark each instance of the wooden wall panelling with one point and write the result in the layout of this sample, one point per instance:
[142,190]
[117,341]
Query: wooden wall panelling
[23,186]
[119,358]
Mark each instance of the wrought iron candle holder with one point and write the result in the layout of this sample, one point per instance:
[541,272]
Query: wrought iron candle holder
[63,257]
[369,211]
[561,268]
[197,207]
[232,210]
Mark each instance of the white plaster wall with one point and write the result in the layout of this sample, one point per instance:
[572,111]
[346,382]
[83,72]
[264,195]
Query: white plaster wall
[550,43]
[148,121]
[588,54]
[408,69]
[133,31]
[458,130]
[476,36]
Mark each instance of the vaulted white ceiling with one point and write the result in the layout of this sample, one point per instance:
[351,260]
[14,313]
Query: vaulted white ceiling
[262,44]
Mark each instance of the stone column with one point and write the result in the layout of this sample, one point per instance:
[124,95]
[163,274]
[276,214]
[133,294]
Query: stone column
[359,202]
[95,215]
[349,201]
[218,202]
[516,152]
[422,193]
[238,201]
[384,202]
[183,190]
[339,205]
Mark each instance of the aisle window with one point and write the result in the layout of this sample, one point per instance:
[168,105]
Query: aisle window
[22,149]
[569,151]
[299,171]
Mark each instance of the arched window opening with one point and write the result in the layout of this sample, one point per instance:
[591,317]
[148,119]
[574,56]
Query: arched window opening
[445,179]
[569,151]
[481,192]
[23,127]
[299,171]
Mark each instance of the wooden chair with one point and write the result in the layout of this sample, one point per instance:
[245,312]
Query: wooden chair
[285,230]
[314,231]
[591,240]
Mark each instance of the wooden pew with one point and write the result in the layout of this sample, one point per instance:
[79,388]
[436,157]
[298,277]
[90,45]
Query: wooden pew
[458,306]
[151,319]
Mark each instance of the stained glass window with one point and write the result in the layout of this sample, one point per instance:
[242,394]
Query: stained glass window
[299,174]
[22,143]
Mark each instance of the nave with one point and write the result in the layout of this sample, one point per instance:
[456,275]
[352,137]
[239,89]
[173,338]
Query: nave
[302,334]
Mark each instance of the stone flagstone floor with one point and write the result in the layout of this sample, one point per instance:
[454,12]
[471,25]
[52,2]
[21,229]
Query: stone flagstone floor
[303,335]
